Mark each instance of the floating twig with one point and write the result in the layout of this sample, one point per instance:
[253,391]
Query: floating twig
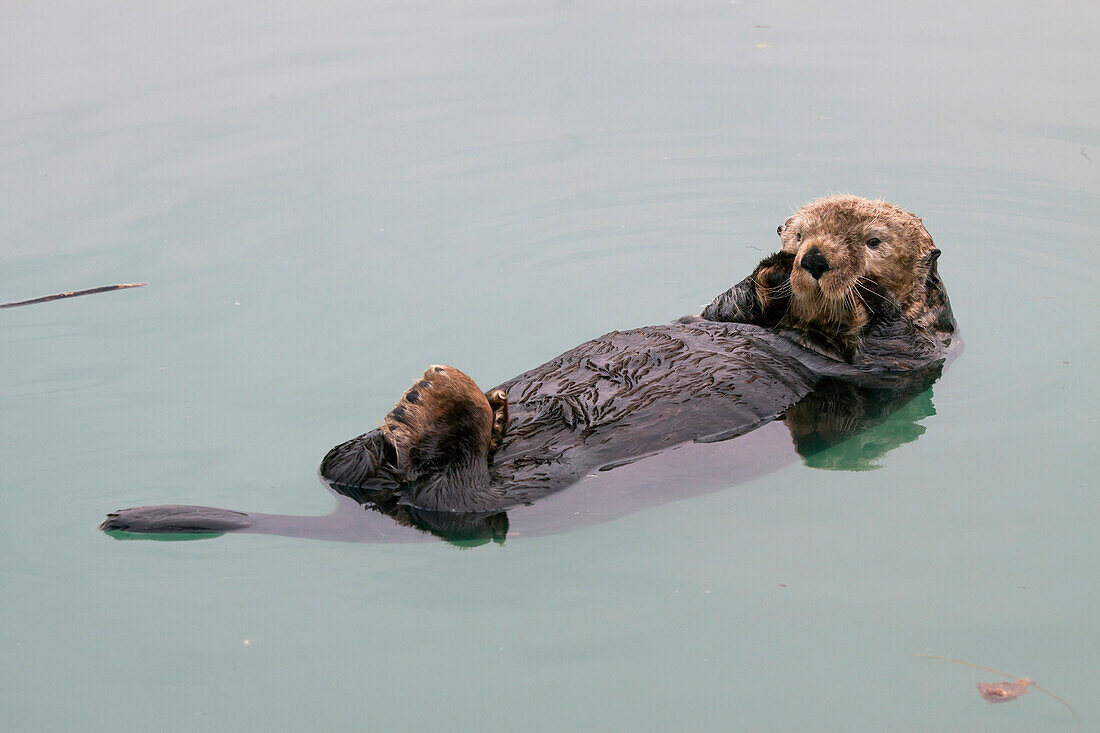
[73,294]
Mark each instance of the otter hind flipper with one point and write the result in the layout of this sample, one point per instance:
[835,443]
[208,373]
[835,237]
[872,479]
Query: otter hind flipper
[442,421]
[443,432]
[434,446]
[359,460]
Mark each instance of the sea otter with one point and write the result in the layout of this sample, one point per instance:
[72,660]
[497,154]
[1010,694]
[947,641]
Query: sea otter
[845,323]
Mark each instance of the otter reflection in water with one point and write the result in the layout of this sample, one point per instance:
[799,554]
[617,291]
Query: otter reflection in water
[830,336]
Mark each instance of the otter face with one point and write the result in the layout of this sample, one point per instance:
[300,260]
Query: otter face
[849,251]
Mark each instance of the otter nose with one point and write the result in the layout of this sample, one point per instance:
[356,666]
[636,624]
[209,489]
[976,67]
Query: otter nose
[814,262]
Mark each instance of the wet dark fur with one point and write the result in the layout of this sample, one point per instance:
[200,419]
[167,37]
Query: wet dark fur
[627,394]
[451,459]
[611,399]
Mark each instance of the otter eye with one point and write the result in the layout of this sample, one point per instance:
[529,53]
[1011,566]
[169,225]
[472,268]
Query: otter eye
[874,242]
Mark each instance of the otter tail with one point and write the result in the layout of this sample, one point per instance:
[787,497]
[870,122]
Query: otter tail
[175,518]
[434,449]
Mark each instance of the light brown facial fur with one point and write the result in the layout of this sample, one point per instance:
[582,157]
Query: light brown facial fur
[845,249]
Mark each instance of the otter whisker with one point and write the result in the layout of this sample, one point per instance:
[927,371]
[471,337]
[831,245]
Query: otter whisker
[856,293]
[869,291]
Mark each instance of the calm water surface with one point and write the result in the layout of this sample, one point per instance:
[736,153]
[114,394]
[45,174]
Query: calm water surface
[325,201]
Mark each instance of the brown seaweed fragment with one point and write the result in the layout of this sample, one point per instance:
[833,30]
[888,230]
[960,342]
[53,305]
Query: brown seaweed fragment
[1003,691]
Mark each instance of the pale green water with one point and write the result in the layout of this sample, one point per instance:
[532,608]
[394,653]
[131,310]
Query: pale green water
[325,201]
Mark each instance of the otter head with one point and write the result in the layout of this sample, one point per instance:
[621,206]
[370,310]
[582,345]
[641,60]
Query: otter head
[851,256]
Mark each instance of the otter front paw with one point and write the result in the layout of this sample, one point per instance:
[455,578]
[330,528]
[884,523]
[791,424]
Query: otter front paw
[761,298]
